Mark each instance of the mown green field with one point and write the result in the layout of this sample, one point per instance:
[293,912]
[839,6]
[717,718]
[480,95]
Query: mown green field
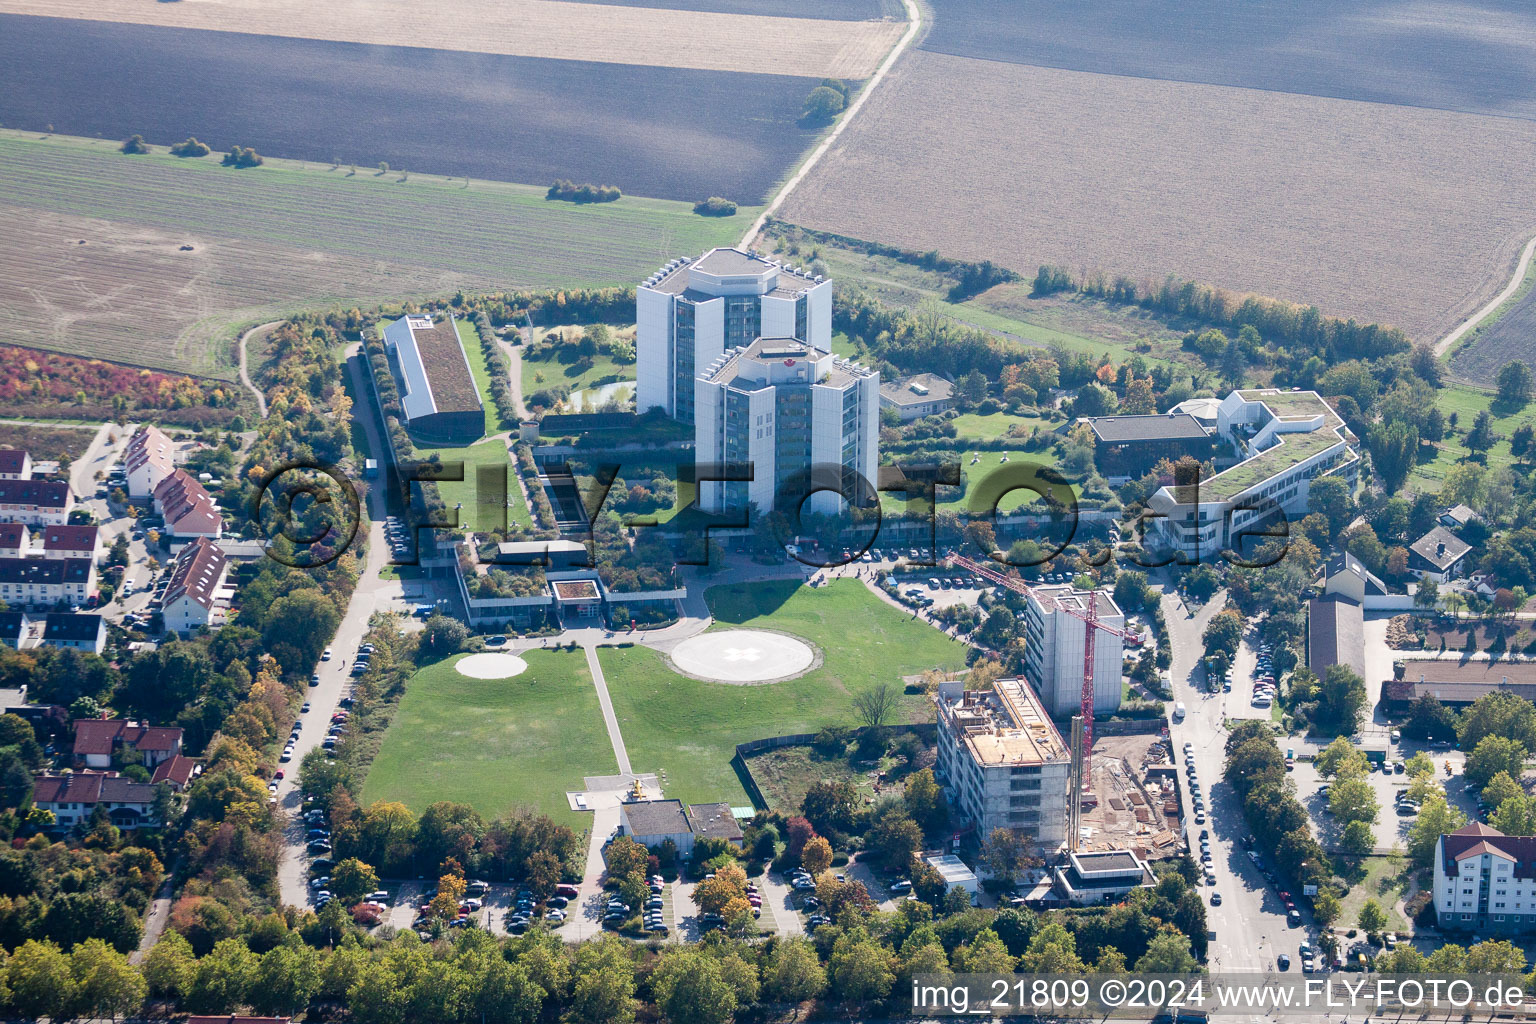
[689,728]
[1466,403]
[189,251]
[495,743]
[478,513]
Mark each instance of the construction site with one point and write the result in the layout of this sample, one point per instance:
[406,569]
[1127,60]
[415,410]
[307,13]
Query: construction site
[1133,803]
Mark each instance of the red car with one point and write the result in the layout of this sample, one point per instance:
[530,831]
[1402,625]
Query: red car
[278,774]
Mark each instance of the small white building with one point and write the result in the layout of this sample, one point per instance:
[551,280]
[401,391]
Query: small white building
[954,872]
[83,541]
[74,796]
[189,510]
[922,394]
[76,631]
[652,822]
[1101,877]
[15,464]
[43,582]
[15,541]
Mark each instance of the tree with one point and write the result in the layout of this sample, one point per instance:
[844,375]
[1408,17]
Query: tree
[1167,953]
[924,800]
[442,635]
[1373,919]
[106,984]
[1516,814]
[1428,719]
[1329,496]
[715,895]
[1500,788]
[1426,596]
[1436,818]
[135,146]
[286,980]
[1358,838]
[626,858]
[1492,755]
[860,969]
[687,987]
[793,973]
[40,979]
[1341,698]
[1522,442]
[1326,908]
[829,805]
[297,627]
[1353,800]
[352,880]
[169,966]
[223,978]
[973,387]
[1515,382]
[604,990]
[1481,437]
[1341,758]
[985,954]
[1497,714]
[1004,853]
[1139,399]
[1394,450]
[895,838]
[816,855]
[876,704]
[823,104]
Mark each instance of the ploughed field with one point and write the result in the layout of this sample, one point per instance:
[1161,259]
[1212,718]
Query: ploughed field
[652,131]
[1402,215]
[1511,336]
[95,262]
[1477,56]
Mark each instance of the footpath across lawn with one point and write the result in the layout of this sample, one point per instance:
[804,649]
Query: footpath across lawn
[689,728]
[495,743]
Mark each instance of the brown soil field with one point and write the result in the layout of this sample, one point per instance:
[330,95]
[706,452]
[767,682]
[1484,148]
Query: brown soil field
[1401,215]
[807,47]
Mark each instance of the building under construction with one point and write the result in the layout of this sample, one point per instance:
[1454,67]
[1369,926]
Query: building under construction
[1002,762]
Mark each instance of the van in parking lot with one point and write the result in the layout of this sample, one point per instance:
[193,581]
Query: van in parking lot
[1179,712]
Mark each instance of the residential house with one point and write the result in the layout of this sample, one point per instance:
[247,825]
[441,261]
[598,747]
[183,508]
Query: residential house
[45,582]
[1439,555]
[192,595]
[15,464]
[97,739]
[35,502]
[1483,881]
[74,796]
[15,630]
[1457,516]
[14,541]
[82,541]
[1347,578]
[79,631]
[149,458]
[188,508]
[177,772]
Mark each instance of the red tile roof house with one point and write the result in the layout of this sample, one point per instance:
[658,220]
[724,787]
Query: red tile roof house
[192,596]
[15,464]
[149,459]
[71,542]
[175,772]
[188,508]
[96,739]
[73,796]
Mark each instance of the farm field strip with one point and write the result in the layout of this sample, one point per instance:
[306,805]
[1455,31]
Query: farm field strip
[1476,57]
[702,40]
[277,239]
[1096,173]
[1508,333]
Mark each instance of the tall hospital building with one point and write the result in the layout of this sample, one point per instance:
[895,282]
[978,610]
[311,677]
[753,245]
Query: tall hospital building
[739,347]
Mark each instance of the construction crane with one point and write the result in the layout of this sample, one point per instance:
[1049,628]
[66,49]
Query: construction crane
[1092,625]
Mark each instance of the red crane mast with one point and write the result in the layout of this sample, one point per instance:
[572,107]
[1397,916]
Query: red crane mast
[1092,625]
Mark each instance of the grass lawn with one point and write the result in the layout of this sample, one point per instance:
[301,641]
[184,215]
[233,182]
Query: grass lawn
[995,425]
[957,499]
[474,515]
[689,728]
[786,773]
[470,339]
[495,743]
[1466,403]
[1382,877]
[555,372]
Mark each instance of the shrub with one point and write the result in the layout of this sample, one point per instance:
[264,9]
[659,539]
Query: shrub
[135,146]
[583,193]
[715,206]
[823,104]
[240,156]
[190,148]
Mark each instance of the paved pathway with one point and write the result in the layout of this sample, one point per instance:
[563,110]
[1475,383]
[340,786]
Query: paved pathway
[609,718]
[96,458]
[514,354]
[154,921]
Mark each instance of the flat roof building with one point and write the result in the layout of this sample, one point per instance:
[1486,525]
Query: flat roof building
[1002,762]
[1101,877]
[1286,439]
[437,388]
[692,311]
[1053,650]
[1129,446]
[922,394]
[955,872]
[787,408]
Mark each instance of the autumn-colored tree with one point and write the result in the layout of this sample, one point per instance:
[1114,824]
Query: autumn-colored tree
[816,855]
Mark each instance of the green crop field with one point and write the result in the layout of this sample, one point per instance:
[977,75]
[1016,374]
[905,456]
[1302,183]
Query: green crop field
[689,728]
[495,743]
[158,261]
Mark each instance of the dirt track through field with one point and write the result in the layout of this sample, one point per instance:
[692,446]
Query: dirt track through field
[807,47]
[1395,214]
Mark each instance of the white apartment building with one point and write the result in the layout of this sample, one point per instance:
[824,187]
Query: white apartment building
[1286,439]
[149,458]
[45,582]
[1053,650]
[1002,763]
[1484,881]
[35,502]
[194,595]
[785,406]
[692,311]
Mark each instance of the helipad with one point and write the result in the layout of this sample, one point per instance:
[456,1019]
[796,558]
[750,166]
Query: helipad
[743,656]
[491,666]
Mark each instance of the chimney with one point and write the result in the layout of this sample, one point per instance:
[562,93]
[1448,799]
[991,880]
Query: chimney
[1440,548]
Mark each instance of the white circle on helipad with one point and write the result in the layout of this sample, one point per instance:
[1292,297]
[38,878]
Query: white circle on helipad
[743,656]
[491,666]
